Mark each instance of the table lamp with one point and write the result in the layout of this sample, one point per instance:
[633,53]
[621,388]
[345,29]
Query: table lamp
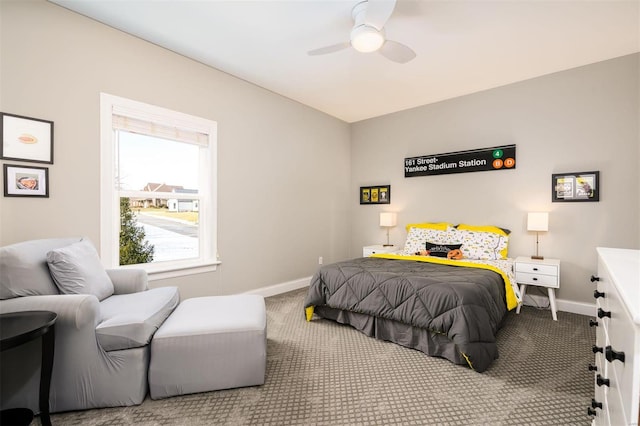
[388,220]
[538,222]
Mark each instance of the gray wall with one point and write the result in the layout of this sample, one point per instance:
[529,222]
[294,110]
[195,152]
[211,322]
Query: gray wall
[279,208]
[577,120]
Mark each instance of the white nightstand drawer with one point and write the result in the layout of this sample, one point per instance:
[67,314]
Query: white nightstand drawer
[376,249]
[537,279]
[536,268]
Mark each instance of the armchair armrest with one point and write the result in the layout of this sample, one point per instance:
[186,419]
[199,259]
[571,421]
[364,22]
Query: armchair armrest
[127,281]
[74,310]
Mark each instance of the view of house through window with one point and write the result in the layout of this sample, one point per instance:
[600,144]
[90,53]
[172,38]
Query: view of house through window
[159,224]
[159,190]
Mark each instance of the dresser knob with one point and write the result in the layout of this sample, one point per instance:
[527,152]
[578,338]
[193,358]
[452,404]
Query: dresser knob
[596,404]
[597,294]
[612,355]
[593,367]
[602,313]
[591,412]
[596,349]
[594,278]
[535,269]
[593,323]
[600,381]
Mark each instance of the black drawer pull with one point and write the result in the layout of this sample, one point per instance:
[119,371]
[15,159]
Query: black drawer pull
[593,323]
[594,278]
[591,412]
[535,279]
[596,404]
[593,367]
[600,381]
[602,314]
[535,269]
[597,294]
[597,349]
[612,355]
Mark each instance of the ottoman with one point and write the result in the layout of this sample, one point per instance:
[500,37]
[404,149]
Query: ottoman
[210,343]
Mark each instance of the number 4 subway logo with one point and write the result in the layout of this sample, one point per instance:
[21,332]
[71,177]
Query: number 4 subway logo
[499,161]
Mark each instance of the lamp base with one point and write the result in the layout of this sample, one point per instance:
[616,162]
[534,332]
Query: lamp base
[537,257]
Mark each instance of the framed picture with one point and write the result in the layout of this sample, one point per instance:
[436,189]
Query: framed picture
[582,186]
[379,194]
[21,181]
[26,139]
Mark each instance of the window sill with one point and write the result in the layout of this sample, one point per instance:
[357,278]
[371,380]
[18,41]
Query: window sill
[161,272]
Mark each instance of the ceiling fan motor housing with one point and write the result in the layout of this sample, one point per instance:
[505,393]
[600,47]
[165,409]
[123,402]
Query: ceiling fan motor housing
[365,37]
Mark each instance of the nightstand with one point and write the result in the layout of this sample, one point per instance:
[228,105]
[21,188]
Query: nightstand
[369,250]
[542,273]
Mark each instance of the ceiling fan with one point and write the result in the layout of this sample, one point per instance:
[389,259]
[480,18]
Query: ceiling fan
[368,34]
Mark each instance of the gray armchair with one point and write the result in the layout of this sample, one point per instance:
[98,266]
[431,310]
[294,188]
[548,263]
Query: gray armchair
[106,319]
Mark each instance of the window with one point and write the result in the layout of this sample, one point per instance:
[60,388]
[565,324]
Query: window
[158,189]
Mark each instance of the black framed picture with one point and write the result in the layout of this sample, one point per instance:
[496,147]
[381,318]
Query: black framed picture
[26,138]
[378,194]
[26,181]
[575,186]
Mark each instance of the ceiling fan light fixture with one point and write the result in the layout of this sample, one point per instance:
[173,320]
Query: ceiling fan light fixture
[365,39]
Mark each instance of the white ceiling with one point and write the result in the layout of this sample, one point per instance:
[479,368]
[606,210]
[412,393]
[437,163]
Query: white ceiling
[462,46]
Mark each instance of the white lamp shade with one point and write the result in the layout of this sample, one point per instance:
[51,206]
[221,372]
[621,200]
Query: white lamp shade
[538,221]
[388,219]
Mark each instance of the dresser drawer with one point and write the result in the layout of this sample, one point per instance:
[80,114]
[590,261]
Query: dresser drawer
[616,413]
[535,268]
[623,339]
[537,279]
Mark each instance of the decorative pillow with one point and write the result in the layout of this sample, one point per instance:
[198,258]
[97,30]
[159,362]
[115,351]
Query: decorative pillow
[418,236]
[483,245]
[441,250]
[76,269]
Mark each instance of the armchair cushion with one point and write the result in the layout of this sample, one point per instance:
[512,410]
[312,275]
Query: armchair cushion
[23,268]
[76,269]
[130,320]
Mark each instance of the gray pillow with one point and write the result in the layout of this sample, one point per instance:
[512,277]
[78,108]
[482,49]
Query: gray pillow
[76,269]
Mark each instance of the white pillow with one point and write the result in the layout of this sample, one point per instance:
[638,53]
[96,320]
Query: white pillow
[482,245]
[76,269]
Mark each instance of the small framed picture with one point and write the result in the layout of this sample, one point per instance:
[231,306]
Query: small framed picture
[578,186]
[379,194]
[21,181]
[26,139]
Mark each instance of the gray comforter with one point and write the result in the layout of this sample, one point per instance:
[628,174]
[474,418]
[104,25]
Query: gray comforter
[464,304]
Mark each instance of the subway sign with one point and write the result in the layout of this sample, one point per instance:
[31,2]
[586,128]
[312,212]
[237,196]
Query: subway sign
[476,160]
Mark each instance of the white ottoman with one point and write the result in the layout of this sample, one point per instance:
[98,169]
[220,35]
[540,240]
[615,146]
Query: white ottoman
[210,343]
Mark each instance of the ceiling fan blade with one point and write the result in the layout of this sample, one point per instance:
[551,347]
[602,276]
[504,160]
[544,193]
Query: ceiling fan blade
[329,49]
[397,52]
[378,12]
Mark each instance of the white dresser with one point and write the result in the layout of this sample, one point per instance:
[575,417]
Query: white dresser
[617,346]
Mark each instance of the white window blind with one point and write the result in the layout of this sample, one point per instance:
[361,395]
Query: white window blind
[144,127]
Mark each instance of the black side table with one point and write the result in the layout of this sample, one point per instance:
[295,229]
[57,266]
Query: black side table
[17,328]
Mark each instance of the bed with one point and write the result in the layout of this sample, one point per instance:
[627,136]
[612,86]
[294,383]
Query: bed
[440,306]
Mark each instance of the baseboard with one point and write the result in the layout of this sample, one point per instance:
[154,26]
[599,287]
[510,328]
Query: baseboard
[281,288]
[588,309]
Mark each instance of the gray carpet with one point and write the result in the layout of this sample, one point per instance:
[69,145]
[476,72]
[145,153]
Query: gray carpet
[322,373]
